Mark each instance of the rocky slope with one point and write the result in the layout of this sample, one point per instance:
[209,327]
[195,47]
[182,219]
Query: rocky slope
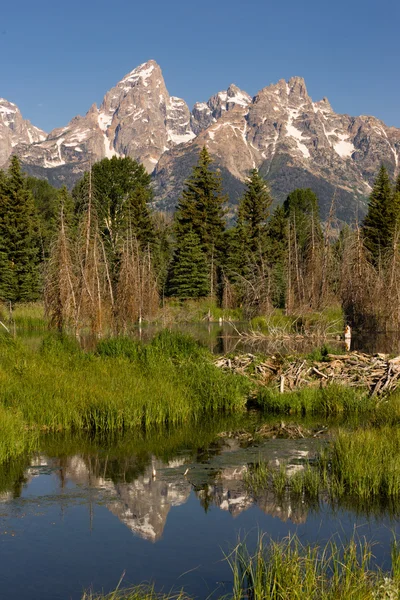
[294,141]
[15,130]
[137,118]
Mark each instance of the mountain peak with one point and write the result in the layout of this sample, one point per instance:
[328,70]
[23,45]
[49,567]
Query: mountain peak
[238,96]
[143,73]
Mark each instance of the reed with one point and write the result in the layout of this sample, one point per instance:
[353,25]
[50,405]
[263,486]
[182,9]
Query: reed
[364,463]
[360,467]
[334,399]
[290,570]
[121,386]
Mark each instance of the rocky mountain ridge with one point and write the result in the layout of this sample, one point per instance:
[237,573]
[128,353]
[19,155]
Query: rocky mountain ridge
[293,141]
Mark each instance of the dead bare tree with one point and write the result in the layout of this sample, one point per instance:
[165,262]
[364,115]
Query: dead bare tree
[94,290]
[60,297]
[137,296]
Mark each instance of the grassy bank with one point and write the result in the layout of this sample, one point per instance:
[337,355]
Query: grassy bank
[121,385]
[332,400]
[359,466]
[289,570]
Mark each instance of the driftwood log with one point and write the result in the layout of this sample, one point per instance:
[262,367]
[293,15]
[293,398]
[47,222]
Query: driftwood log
[379,373]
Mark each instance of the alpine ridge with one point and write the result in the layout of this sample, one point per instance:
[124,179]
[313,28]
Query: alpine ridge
[292,140]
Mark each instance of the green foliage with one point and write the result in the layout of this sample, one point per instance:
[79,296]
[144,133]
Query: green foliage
[277,242]
[47,200]
[20,241]
[189,275]
[121,192]
[123,385]
[301,208]
[383,217]
[333,399]
[253,214]
[289,570]
[200,208]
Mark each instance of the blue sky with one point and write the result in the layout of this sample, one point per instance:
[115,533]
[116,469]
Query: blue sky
[57,58]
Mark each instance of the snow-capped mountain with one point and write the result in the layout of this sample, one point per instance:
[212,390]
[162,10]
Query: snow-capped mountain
[294,141]
[15,130]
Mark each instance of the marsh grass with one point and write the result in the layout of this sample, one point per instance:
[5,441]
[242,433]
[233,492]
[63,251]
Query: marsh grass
[328,322]
[140,592]
[360,468]
[123,385]
[364,464]
[24,317]
[290,570]
[332,400]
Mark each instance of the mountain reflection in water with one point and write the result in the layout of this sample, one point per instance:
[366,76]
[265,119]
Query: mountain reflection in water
[142,501]
[161,507]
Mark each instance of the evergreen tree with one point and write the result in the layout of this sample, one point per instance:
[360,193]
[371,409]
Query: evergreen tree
[301,208]
[277,240]
[235,257]
[397,184]
[253,214]
[19,278]
[382,217]
[140,221]
[305,247]
[189,274]
[47,204]
[200,208]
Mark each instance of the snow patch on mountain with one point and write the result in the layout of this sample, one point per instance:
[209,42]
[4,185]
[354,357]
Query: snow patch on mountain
[344,148]
[295,133]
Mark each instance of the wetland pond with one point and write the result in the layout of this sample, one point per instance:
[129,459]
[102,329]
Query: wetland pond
[161,508]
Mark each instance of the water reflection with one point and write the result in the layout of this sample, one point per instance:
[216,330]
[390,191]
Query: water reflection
[84,510]
[141,490]
[225,338]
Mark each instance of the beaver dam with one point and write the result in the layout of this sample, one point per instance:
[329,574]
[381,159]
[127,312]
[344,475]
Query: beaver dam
[377,373]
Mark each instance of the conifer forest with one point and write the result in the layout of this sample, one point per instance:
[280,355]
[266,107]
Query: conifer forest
[102,259]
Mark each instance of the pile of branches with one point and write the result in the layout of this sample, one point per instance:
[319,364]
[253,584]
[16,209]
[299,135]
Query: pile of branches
[378,373]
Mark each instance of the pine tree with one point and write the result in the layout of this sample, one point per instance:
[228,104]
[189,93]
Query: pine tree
[301,207]
[235,256]
[277,240]
[138,214]
[383,214]
[19,279]
[189,273]
[305,246]
[253,213]
[200,208]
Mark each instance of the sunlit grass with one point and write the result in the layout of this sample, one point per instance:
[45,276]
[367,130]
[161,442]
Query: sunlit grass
[291,570]
[123,385]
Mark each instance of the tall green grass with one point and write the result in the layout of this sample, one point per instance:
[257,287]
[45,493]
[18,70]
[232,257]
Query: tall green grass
[290,570]
[365,463]
[332,400]
[361,467]
[26,317]
[122,385]
[141,592]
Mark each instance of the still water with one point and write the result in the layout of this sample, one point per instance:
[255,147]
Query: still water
[160,509]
